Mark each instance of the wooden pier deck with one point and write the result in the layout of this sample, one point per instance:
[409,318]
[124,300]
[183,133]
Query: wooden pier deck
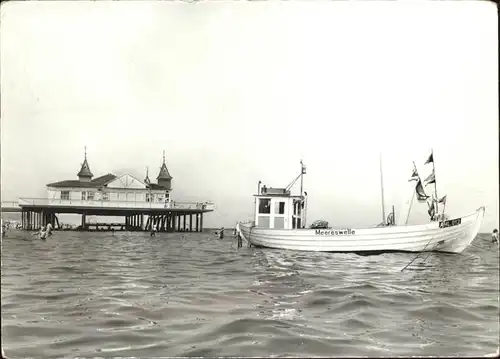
[139,216]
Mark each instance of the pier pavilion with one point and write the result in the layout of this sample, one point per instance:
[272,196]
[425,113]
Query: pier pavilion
[143,204]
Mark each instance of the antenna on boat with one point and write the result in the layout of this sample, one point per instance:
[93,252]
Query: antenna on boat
[382,187]
[302,198]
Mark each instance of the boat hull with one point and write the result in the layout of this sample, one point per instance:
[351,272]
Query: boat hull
[451,236]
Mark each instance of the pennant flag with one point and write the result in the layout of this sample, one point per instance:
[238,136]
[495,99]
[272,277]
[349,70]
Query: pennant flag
[414,176]
[432,210]
[430,179]
[442,199]
[421,196]
[430,159]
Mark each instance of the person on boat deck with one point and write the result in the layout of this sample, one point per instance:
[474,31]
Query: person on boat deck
[494,236]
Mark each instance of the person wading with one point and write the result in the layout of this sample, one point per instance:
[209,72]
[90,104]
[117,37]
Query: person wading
[42,234]
[494,236]
[49,229]
[240,240]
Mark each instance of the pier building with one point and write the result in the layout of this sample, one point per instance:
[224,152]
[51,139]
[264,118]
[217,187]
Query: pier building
[144,204]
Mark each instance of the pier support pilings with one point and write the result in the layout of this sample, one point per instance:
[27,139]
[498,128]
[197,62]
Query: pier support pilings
[33,219]
[165,220]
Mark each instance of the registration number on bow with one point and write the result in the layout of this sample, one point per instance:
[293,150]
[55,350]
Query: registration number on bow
[450,223]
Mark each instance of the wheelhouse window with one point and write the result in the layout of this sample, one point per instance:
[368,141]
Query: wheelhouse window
[84,196]
[90,196]
[265,206]
[105,196]
[279,208]
[65,195]
[148,197]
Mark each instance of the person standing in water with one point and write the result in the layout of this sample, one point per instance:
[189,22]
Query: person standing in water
[221,233]
[4,228]
[49,229]
[240,240]
[494,236]
[42,234]
[153,231]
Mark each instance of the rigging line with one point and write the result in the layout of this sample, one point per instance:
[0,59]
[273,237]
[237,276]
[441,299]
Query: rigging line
[418,254]
[437,245]
[293,182]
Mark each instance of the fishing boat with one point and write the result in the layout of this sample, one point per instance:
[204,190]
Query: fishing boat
[280,222]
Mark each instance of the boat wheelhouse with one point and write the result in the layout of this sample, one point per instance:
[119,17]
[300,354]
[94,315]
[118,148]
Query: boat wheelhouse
[277,208]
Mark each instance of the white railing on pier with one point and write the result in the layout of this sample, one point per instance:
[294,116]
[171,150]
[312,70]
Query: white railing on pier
[10,204]
[115,204]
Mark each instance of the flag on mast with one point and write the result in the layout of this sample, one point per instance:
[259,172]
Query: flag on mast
[432,209]
[431,178]
[442,199]
[414,175]
[430,159]
[419,189]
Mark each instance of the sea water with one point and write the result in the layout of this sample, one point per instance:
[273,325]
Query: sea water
[129,294]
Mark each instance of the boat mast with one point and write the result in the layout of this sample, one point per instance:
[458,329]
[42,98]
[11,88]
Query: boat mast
[382,188]
[413,196]
[435,184]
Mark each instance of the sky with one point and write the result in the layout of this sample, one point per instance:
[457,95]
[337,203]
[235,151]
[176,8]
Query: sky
[237,92]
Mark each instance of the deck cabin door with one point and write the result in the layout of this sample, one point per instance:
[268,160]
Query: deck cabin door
[297,214]
[263,219]
[279,217]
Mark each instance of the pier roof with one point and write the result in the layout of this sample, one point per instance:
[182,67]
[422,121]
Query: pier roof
[103,180]
[95,183]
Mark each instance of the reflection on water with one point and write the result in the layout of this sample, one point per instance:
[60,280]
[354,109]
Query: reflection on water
[96,294]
